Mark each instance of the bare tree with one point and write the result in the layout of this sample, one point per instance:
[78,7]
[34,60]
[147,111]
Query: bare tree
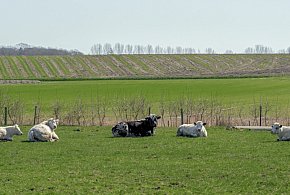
[16,111]
[178,50]
[169,50]
[138,49]
[149,49]
[118,48]
[107,49]
[158,50]
[209,51]
[128,49]
[97,49]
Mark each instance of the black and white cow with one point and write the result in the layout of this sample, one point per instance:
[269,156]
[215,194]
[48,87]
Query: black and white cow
[143,127]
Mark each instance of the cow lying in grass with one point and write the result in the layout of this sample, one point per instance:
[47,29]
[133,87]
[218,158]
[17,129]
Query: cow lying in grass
[143,127]
[44,132]
[192,130]
[282,131]
[7,133]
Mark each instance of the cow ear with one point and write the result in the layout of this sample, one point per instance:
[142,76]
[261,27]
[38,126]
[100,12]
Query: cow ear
[158,117]
[194,123]
[280,126]
[204,124]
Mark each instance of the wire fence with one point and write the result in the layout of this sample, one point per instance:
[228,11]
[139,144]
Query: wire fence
[104,112]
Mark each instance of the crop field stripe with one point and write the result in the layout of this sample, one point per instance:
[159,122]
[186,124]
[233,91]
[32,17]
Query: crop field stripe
[85,68]
[26,67]
[32,67]
[138,62]
[53,71]
[38,66]
[100,65]
[3,69]
[68,66]
[23,71]
[61,65]
[85,65]
[56,67]
[117,66]
[14,68]
[126,66]
[185,62]
[152,67]
[75,68]
[200,65]
[109,65]
[95,67]
[79,69]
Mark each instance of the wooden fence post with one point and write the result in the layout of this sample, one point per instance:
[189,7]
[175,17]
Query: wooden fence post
[5,116]
[260,115]
[149,110]
[35,113]
[181,114]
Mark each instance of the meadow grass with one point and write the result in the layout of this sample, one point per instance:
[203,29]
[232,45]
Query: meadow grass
[90,161]
[227,91]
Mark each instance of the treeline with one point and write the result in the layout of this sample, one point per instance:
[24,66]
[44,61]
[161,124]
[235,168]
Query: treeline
[118,48]
[27,50]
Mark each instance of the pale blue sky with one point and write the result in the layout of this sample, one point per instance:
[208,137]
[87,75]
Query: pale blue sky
[78,24]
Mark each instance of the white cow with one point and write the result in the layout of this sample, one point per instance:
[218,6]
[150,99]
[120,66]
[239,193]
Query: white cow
[192,130]
[282,131]
[6,133]
[44,131]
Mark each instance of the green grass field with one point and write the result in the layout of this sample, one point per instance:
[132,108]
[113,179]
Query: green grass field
[90,161]
[227,90]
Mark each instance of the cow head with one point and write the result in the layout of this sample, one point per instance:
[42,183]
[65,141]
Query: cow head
[152,119]
[52,123]
[199,125]
[276,128]
[17,130]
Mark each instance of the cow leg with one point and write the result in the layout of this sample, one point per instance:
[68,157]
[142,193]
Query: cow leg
[285,139]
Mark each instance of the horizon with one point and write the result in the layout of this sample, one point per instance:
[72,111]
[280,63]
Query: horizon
[75,24]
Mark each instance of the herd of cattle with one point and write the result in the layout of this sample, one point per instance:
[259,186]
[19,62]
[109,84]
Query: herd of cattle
[45,131]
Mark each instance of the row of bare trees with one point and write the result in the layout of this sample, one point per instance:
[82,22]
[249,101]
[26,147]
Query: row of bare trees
[103,111]
[118,48]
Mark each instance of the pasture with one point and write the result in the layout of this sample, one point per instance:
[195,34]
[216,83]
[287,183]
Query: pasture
[90,161]
[115,98]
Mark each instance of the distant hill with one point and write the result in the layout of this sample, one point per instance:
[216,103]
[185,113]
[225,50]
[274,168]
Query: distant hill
[124,66]
[23,49]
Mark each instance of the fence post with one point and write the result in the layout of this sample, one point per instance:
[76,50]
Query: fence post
[35,113]
[260,115]
[181,114]
[149,110]
[5,116]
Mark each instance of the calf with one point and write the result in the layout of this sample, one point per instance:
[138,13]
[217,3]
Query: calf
[282,131]
[6,133]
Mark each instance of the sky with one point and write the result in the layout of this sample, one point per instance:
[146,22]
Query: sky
[200,24]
